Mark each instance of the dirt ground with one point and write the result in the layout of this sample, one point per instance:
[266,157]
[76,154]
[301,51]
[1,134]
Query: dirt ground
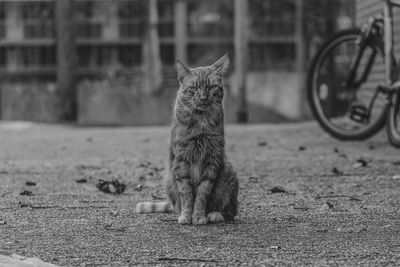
[305,199]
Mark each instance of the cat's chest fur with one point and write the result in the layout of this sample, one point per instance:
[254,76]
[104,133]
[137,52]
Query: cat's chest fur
[196,143]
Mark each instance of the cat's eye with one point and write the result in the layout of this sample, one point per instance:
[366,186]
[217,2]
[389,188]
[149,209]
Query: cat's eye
[190,89]
[214,88]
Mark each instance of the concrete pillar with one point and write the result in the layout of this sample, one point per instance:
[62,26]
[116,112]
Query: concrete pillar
[181,30]
[66,59]
[241,54]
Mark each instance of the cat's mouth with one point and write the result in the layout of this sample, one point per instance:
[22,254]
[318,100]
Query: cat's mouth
[202,106]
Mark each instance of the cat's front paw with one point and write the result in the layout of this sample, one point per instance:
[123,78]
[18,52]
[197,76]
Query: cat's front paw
[198,220]
[184,219]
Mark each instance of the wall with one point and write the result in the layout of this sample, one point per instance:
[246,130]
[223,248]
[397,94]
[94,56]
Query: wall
[271,98]
[33,101]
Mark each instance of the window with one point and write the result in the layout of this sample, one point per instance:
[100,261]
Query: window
[272,42]
[38,19]
[132,18]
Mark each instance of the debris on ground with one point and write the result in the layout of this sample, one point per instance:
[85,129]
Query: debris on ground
[20,261]
[113,187]
[26,193]
[253,179]
[336,196]
[166,258]
[278,189]
[139,187]
[275,247]
[262,143]
[397,176]
[114,213]
[336,171]
[371,147]
[360,163]
[29,183]
[336,150]
[3,222]
[157,197]
[326,206]
[396,163]
[81,181]
[302,148]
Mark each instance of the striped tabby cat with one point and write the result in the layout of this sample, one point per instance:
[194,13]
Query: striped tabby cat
[202,186]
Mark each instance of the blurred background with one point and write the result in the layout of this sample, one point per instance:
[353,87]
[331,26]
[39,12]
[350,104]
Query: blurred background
[111,62]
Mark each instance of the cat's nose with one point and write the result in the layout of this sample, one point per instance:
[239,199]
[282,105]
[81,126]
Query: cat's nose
[203,97]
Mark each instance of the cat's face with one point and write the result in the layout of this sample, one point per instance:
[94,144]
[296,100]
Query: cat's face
[201,88]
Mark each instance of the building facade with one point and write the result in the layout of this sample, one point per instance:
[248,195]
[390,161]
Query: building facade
[109,40]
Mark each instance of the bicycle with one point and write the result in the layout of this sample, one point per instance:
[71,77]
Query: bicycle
[352,86]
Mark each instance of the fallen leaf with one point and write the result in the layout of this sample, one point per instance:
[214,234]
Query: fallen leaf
[278,189]
[262,143]
[26,193]
[156,197]
[139,187]
[81,181]
[275,247]
[336,171]
[326,206]
[253,179]
[371,147]
[113,187]
[360,163]
[114,213]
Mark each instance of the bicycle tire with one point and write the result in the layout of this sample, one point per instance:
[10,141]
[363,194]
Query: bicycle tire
[391,124]
[351,34]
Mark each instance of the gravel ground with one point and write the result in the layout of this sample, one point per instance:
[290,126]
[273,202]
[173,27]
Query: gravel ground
[305,199]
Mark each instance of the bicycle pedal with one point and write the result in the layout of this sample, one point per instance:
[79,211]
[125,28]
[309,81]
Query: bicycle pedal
[359,113]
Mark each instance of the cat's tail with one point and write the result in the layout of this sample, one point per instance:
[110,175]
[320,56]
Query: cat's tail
[154,207]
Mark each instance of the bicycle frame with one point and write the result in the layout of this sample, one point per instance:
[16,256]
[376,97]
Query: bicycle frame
[383,27]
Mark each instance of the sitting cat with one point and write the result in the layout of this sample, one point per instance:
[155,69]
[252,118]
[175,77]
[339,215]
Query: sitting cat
[201,185]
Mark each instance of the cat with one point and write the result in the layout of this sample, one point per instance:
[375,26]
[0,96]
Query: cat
[202,185]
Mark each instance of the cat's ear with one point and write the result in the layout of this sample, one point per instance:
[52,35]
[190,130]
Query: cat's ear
[181,70]
[222,65]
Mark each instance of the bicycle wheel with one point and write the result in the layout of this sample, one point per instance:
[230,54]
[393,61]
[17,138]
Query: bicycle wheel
[393,121]
[348,112]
